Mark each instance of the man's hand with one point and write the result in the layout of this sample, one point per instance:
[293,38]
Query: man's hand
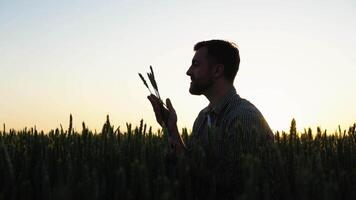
[167,117]
[163,115]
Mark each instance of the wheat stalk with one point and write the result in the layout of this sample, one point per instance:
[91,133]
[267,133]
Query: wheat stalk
[153,82]
[144,82]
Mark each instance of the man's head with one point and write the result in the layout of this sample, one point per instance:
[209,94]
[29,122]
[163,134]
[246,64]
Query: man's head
[213,60]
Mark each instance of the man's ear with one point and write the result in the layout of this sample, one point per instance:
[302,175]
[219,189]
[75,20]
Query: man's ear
[218,70]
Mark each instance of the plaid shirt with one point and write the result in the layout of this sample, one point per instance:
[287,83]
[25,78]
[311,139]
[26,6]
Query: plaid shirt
[223,119]
[229,111]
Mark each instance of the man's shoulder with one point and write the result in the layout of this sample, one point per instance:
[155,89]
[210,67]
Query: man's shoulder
[248,115]
[247,107]
[240,107]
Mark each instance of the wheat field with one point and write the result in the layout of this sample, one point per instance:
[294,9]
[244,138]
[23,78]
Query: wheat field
[136,164]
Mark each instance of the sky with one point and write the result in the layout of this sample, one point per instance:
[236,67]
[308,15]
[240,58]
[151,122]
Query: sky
[82,58]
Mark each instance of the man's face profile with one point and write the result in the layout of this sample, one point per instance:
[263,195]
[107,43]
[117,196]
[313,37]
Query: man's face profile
[200,72]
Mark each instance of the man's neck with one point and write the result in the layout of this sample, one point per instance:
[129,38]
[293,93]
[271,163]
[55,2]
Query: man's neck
[217,92]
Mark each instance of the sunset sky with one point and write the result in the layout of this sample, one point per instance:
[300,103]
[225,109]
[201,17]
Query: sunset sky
[298,59]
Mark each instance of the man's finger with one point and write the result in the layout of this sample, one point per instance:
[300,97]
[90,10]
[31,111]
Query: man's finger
[154,99]
[156,108]
[169,105]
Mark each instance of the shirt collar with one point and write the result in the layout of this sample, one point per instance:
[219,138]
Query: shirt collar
[220,105]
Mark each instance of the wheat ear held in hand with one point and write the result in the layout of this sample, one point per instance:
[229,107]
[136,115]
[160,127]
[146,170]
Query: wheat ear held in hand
[144,82]
[151,77]
[153,82]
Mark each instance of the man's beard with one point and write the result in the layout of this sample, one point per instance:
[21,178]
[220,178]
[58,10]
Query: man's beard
[197,88]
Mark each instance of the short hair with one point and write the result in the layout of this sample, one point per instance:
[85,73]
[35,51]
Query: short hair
[222,52]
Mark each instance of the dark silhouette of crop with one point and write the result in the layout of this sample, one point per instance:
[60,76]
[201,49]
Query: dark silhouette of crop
[135,164]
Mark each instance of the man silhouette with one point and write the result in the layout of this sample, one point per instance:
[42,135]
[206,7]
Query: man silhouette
[212,72]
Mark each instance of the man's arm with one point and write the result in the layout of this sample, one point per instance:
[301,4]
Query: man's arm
[175,140]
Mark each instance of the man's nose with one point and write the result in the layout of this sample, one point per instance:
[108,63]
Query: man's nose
[188,72]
